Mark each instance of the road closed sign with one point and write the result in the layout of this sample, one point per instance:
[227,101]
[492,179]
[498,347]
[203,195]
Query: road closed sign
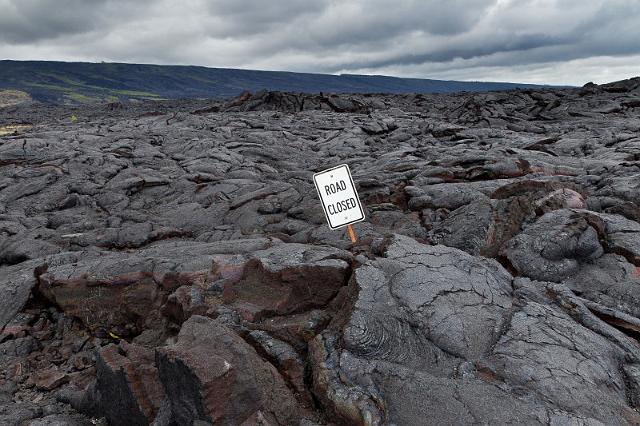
[338,196]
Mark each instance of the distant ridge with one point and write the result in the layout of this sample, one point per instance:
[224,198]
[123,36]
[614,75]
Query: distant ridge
[84,82]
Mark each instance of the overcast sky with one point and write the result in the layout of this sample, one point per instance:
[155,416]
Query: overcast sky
[538,41]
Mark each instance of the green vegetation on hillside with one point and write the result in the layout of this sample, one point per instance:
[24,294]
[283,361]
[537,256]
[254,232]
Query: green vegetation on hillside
[78,83]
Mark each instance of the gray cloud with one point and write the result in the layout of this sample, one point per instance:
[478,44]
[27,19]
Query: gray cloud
[29,21]
[248,17]
[541,41]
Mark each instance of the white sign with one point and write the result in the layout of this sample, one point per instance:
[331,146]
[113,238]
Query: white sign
[338,196]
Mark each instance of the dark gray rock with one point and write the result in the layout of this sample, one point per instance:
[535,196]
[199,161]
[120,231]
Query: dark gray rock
[61,420]
[611,281]
[17,414]
[17,348]
[385,360]
[555,246]
[16,283]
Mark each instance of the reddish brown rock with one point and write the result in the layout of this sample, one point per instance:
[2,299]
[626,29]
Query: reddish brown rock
[296,330]
[227,267]
[127,390]
[116,301]
[184,302]
[49,379]
[173,280]
[17,327]
[213,375]
[287,279]
[123,292]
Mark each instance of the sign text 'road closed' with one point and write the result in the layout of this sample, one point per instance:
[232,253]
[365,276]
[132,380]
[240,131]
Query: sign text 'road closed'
[338,196]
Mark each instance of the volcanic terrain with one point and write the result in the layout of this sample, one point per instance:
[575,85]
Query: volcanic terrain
[169,262]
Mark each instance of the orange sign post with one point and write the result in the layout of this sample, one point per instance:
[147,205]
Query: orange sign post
[352,234]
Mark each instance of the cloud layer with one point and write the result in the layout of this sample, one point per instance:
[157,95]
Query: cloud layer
[541,41]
